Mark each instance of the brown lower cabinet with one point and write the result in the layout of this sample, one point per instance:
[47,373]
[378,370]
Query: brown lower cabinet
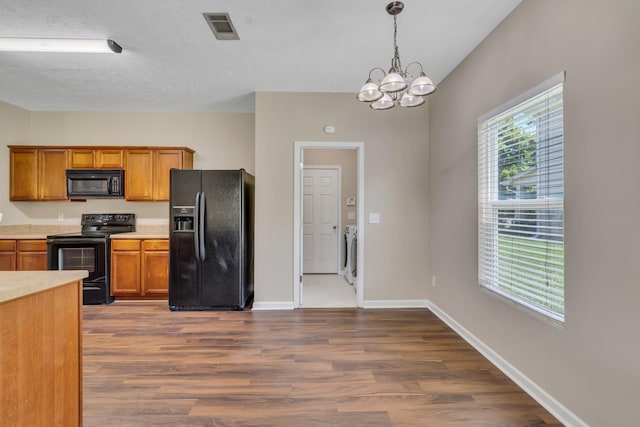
[7,255]
[140,268]
[32,255]
[23,255]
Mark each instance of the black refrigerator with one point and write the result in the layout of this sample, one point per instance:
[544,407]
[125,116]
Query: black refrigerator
[211,239]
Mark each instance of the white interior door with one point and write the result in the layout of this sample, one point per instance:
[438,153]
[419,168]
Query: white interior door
[320,220]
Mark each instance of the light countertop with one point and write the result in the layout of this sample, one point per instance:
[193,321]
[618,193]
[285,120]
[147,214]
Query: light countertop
[145,232]
[28,231]
[20,232]
[140,235]
[16,284]
[23,236]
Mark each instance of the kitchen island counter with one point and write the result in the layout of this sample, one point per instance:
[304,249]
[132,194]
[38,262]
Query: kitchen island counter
[41,351]
[17,284]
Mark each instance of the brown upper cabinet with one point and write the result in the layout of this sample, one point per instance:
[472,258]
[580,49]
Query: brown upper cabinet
[102,158]
[163,162]
[147,171]
[138,175]
[109,159]
[38,172]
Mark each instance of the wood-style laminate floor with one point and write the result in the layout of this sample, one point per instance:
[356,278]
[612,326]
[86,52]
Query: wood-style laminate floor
[147,366]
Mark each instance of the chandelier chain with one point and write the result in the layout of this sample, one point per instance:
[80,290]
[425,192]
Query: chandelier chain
[396,66]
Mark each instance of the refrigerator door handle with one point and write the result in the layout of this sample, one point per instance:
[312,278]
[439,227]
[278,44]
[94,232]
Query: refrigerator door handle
[202,228]
[196,227]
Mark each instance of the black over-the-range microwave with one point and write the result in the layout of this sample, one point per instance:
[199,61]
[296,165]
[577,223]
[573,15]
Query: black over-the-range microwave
[95,183]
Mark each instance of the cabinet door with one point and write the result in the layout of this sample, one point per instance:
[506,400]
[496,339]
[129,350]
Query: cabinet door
[52,178]
[164,160]
[138,175]
[29,261]
[125,267]
[109,159]
[7,255]
[155,265]
[24,174]
[7,261]
[81,159]
[31,255]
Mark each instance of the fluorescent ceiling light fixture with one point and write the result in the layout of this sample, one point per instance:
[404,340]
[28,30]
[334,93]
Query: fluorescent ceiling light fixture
[16,44]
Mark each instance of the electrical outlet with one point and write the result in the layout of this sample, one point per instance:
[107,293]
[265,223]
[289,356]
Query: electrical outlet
[433,281]
[374,218]
[60,216]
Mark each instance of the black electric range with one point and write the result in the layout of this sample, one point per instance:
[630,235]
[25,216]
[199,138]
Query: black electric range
[90,250]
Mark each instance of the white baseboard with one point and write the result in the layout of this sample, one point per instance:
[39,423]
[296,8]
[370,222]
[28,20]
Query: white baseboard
[563,414]
[288,305]
[272,305]
[401,303]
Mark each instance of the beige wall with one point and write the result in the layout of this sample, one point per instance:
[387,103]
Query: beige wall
[348,162]
[14,129]
[396,180]
[591,366]
[220,141]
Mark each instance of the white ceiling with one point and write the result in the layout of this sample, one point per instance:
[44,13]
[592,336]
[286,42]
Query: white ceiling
[172,62]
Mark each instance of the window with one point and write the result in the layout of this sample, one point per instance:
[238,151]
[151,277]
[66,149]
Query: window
[521,200]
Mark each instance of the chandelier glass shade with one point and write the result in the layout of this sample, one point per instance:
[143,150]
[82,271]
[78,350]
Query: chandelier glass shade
[397,86]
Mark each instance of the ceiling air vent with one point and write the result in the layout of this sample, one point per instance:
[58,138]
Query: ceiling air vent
[221,25]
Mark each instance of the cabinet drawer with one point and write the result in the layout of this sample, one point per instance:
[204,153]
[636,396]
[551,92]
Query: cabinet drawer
[125,245]
[32,245]
[155,245]
[7,245]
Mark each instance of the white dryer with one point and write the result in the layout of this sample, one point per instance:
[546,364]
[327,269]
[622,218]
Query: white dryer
[350,254]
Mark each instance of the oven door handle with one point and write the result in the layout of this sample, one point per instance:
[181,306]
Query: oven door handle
[196,227]
[81,241]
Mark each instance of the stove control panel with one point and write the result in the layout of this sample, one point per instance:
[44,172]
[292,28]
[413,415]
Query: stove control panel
[108,219]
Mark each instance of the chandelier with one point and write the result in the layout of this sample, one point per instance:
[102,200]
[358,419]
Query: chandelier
[397,86]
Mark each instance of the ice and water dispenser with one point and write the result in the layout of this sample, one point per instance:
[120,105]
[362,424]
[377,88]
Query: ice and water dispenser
[183,218]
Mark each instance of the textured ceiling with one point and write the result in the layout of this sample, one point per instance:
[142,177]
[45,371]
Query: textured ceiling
[172,62]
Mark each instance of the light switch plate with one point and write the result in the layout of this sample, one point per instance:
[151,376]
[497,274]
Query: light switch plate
[351,215]
[374,218]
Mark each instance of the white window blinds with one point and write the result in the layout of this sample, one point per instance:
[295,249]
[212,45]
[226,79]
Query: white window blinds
[521,200]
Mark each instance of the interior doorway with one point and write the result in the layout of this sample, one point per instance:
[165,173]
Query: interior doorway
[321,196]
[329,290]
